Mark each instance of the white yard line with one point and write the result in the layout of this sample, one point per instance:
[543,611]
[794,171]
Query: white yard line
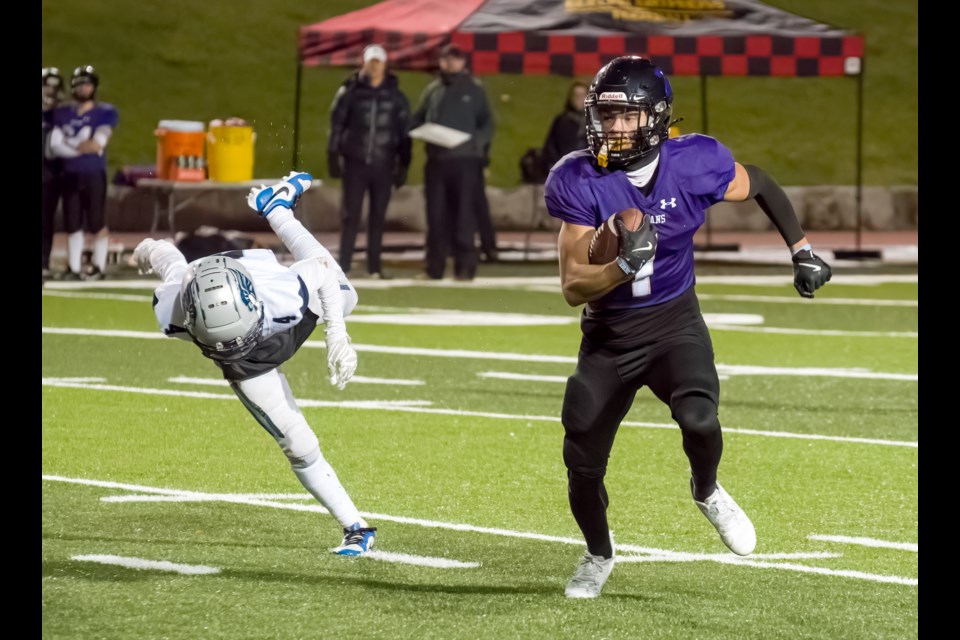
[868,542]
[122,297]
[422,406]
[419,561]
[371,348]
[213,497]
[817,332]
[521,281]
[738,370]
[154,565]
[661,554]
[865,302]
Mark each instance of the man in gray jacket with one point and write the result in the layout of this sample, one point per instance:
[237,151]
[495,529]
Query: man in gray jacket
[454,177]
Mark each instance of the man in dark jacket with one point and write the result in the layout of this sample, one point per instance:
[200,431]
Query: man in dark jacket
[454,177]
[370,149]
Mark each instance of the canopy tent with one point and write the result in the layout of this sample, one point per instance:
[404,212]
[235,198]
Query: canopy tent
[576,37]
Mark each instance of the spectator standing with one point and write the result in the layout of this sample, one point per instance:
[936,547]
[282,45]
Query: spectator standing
[370,150]
[567,132]
[454,177]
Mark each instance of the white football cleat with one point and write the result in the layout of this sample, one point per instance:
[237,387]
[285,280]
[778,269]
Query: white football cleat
[731,522]
[285,193]
[589,576]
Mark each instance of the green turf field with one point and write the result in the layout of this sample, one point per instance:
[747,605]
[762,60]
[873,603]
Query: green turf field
[202,60]
[450,443]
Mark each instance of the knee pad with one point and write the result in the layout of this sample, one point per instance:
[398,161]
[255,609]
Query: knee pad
[300,444]
[295,437]
[696,414]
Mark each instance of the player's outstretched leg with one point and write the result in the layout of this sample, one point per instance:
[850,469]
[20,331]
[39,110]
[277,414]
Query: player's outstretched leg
[285,193]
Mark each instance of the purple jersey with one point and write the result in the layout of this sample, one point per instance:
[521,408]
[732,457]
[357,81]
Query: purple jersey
[77,128]
[693,174]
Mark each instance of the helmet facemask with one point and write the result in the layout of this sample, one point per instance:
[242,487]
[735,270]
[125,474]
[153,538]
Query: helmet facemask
[621,132]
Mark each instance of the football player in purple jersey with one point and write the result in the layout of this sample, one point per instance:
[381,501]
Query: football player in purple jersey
[79,138]
[642,324]
[51,92]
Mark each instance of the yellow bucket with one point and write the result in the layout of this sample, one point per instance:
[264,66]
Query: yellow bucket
[230,154]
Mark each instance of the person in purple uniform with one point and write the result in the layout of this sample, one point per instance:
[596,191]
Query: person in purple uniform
[79,138]
[51,92]
[642,324]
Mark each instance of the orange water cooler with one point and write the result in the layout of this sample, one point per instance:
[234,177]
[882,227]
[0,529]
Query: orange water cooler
[180,151]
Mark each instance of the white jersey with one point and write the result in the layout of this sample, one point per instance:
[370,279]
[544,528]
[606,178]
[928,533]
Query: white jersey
[284,294]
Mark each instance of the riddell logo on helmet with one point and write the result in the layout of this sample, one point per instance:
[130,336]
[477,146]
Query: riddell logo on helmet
[613,95]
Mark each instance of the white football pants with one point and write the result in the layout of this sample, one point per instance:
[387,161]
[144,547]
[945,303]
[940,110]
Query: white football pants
[269,398]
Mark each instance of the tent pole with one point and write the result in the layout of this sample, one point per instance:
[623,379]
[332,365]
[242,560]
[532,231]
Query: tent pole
[859,253]
[296,115]
[705,129]
[860,159]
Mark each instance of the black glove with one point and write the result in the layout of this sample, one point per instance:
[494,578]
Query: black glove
[809,272]
[334,168]
[637,248]
[399,176]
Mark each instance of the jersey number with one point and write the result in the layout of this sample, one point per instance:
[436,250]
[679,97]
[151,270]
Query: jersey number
[641,281]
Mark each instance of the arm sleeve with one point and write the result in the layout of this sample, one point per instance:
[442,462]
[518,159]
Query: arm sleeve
[59,147]
[102,135]
[775,203]
[168,262]
[331,301]
[170,265]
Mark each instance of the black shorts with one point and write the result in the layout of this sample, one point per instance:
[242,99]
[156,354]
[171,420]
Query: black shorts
[636,342]
[84,201]
[665,347]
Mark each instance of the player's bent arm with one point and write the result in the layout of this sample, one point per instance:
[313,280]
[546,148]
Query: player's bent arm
[581,281]
[160,257]
[752,182]
[331,301]
[60,147]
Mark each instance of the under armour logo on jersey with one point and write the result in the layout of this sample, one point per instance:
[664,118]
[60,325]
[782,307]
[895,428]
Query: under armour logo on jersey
[664,203]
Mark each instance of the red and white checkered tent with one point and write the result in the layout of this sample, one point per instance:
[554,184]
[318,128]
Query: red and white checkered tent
[576,37]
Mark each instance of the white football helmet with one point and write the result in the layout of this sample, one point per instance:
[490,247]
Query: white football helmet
[224,316]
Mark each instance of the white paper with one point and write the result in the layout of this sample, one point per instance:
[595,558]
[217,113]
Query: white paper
[440,135]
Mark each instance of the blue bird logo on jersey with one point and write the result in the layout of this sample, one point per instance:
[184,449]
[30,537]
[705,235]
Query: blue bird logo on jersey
[248,295]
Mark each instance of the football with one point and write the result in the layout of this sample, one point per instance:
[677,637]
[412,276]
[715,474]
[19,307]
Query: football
[605,244]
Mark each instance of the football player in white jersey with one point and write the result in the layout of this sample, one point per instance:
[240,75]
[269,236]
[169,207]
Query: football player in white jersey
[249,314]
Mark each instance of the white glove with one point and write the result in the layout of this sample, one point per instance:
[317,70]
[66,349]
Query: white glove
[341,361]
[141,256]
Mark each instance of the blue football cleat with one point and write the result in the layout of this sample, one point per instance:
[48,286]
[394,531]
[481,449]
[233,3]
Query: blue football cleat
[285,193]
[357,540]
